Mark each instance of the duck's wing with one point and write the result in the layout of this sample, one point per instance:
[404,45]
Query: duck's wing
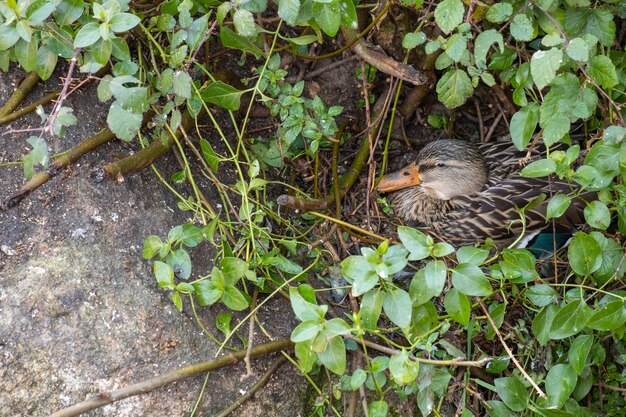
[495,212]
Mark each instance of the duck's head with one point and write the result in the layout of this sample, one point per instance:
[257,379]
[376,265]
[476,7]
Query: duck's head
[443,169]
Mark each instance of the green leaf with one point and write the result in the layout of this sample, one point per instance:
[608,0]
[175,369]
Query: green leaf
[182,84]
[125,124]
[578,50]
[223,95]
[449,14]
[234,299]
[560,383]
[378,408]
[522,28]
[206,292]
[304,310]
[26,53]
[46,62]
[470,280]
[151,246]
[584,254]
[180,262]
[597,215]
[428,282]
[539,168]
[8,36]
[397,305]
[512,392]
[579,352]
[593,21]
[87,35]
[471,255]
[37,156]
[484,41]
[442,249]
[543,66]
[569,320]
[557,206]
[230,39]
[602,70]
[541,295]
[288,10]
[334,357]
[328,16]
[412,40]
[499,12]
[454,88]
[523,125]
[371,307]
[68,11]
[233,269]
[122,22]
[415,242]
[458,306]
[402,368]
[164,274]
[542,323]
[209,154]
[306,330]
[244,22]
[610,317]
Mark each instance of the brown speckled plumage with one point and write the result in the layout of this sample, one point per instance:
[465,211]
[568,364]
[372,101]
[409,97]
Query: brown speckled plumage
[485,190]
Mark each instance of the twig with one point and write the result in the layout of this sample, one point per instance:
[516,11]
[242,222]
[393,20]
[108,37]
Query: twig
[256,387]
[20,93]
[329,67]
[151,384]
[8,118]
[508,350]
[246,359]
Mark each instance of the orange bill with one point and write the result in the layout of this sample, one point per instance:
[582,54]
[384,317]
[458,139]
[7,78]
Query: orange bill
[404,178]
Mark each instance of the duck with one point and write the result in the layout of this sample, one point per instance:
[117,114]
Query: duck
[466,193]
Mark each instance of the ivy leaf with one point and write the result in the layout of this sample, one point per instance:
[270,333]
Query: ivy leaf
[454,88]
[543,66]
[449,15]
[523,125]
[522,28]
[602,70]
[230,39]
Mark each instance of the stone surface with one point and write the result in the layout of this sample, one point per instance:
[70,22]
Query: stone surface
[80,311]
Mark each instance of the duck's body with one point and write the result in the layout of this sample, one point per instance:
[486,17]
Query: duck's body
[467,193]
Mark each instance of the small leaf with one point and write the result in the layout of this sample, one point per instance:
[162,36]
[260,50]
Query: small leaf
[334,357]
[584,254]
[412,40]
[230,39]
[541,295]
[244,22]
[122,22]
[610,317]
[523,125]
[579,351]
[87,35]
[449,15]
[499,12]
[543,66]
[560,383]
[234,299]
[124,123]
[512,392]
[522,28]
[484,41]
[597,215]
[540,168]
[569,320]
[454,88]
[602,70]
[578,50]
[557,206]
[164,274]
[397,306]
[470,280]
[415,242]
[458,306]
[288,10]
[223,95]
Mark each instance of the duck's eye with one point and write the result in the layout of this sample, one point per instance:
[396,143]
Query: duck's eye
[440,164]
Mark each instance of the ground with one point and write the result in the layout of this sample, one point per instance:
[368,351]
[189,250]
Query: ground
[80,310]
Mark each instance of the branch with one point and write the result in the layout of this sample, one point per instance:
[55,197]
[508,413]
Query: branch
[151,384]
